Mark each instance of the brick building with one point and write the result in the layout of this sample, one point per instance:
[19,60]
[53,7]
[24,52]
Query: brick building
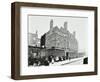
[60,39]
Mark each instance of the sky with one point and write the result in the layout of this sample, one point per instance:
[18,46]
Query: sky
[78,24]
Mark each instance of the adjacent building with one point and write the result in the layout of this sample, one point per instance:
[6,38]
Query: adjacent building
[33,39]
[33,45]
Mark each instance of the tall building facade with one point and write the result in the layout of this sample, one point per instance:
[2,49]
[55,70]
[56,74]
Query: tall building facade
[60,38]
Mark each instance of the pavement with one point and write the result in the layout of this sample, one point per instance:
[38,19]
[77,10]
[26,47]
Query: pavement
[71,61]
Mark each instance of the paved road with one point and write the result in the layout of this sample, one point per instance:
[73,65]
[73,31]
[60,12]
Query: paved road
[76,61]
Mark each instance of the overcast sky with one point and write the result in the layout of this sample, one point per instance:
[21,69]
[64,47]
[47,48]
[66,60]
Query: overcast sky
[78,24]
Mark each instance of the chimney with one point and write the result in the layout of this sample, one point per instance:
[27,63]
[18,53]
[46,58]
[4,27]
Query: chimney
[65,25]
[51,24]
[74,33]
[36,33]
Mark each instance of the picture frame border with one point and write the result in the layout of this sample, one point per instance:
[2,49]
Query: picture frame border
[15,40]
